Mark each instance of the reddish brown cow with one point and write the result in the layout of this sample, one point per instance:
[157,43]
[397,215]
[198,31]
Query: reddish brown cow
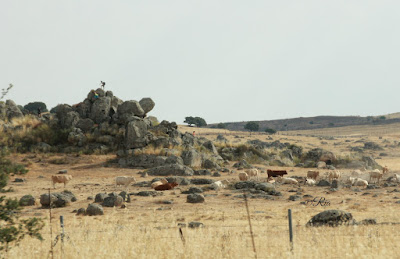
[166,186]
[276,173]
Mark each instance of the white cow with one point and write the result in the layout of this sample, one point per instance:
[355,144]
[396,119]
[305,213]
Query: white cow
[288,180]
[310,182]
[124,180]
[219,184]
[361,182]
[355,181]
[252,173]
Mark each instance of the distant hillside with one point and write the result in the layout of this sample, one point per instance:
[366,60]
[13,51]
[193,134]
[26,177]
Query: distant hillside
[318,122]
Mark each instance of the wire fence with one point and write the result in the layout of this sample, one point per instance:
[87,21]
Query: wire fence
[285,232]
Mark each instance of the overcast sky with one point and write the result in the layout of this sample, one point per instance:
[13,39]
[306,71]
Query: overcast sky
[223,61]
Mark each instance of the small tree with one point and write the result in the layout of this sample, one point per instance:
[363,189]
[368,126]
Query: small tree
[252,126]
[221,125]
[33,107]
[13,230]
[190,120]
[270,131]
[198,121]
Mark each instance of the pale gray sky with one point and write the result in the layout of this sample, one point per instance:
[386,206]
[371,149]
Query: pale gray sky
[220,60]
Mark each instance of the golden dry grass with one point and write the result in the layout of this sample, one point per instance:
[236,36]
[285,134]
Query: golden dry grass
[143,230]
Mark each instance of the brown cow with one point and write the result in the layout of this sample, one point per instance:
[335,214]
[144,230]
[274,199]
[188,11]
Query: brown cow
[385,169]
[166,186]
[276,173]
[313,174]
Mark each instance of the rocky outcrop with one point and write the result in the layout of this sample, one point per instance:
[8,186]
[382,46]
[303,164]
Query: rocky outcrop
[174,169]
[136,134]
[12,111]
[147,104]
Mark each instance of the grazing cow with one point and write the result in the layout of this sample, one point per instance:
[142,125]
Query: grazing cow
[354,181]
[157,183]
[334,175]
[275,173]
[310,182]
[385,169]
[282,180]
[252,173]
[124,180]
[270,180]
[166,186]
[351,180]
[375,174]
[61,179]
[313,174]
[243,176]
[396,178]
[361,182]
[219,184]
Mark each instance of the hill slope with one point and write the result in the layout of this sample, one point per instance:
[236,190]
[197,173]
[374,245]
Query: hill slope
[318,122]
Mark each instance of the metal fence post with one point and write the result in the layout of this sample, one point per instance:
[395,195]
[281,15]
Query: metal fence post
[290,229]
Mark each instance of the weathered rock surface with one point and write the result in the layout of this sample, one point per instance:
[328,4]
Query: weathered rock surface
[331,218]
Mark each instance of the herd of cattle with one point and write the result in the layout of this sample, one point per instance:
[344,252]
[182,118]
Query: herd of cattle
[355,178]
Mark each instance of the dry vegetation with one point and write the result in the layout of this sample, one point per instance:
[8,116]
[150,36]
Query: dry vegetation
[147,228]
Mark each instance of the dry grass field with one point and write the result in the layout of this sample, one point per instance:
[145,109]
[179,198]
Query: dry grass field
[148,228]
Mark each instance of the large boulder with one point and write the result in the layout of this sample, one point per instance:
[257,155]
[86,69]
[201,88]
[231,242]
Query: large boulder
[83,108]
[27,200]
[12,110]
[57,200]
[244,185]
[77,138]
[144,160]
[135,134]
[67,117]
[171,169]
[147,104]
[318,154]
[210,146]
[100,110]
[128,109]
[266,187]
[46,199]
[195,198]
[198,181]
[113,201]
[331,218]
[94,209]
[85,124]
[191,158]
[100,197]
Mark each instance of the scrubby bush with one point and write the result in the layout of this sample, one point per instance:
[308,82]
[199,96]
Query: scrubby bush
[270,131]
[13,230]
[252,126]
